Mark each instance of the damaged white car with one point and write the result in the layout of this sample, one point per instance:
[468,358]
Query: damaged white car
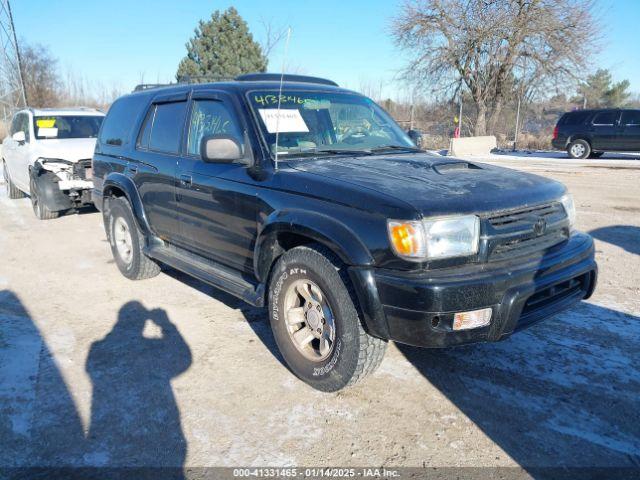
[47,156]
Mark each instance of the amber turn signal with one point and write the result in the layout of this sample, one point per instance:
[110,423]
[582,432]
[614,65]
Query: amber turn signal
[407,238]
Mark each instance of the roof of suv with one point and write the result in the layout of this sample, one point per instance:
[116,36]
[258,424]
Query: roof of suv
[251,83]
[65,111]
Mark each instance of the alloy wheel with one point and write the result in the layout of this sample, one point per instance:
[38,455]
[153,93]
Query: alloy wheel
[309,320]
[123,240]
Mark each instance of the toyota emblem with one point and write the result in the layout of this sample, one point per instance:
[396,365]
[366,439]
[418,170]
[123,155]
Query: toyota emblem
[540,227]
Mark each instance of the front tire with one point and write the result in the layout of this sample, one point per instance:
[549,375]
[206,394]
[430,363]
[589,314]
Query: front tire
[316,324]
[579,149]
[13,192]
[127,242]
[41,211]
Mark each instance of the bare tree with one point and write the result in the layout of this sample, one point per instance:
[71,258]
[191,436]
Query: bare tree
[40,73]
[495,48]
[273,35]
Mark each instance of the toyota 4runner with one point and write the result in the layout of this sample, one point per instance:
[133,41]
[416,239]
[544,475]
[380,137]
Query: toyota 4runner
[310,200]
[47,156]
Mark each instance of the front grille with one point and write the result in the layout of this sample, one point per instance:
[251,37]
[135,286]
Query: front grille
[83,169]
[515,234]
[523,217]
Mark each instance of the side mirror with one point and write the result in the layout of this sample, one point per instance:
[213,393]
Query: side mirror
[19,137]
[220,149]
[416,137]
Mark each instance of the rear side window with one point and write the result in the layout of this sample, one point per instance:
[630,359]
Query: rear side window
[145,133]
[631,118]
[605,118]
[118,125]
[573,118]
[162,129]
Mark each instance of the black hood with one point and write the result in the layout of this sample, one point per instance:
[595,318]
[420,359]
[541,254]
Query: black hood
[437,185]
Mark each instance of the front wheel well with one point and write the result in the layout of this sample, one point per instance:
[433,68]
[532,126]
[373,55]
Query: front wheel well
[113,192]
[279,243]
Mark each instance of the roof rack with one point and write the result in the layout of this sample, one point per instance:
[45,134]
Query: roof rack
[247,77]
[275,77]
[149,86]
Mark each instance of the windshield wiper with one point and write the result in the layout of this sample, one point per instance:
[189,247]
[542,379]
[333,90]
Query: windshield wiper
[345,151]
[382,148]
[331,151]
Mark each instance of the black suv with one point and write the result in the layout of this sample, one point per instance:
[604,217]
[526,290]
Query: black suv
[309,199]
[589,133]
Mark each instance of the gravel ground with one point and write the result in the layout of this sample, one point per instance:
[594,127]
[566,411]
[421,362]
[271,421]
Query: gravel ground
[97,370]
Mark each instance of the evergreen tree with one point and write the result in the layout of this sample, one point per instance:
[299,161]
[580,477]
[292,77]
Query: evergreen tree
[223,47]
[598,91]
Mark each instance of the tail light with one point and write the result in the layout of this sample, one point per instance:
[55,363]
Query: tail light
[555,133]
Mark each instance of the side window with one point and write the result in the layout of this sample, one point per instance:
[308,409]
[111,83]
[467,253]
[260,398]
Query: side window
[211,117]
[118,125]
[15,125]
[167,126]
[24,126]
[631,118]
[605,118]
[20,123]
[573,118]
[145,133]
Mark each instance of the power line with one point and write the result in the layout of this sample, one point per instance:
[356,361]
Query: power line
[12,92]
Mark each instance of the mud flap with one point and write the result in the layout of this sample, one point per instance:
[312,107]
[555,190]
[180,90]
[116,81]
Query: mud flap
[49,193]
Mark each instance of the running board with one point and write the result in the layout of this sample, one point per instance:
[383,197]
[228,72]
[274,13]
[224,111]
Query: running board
[208,271]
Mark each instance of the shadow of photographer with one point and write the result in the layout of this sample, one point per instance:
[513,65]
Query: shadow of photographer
[135,419]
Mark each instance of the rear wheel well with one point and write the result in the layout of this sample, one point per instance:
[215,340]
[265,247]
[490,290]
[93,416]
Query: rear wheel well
[579,137]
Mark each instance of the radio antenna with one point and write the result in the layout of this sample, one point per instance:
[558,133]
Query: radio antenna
[284,60]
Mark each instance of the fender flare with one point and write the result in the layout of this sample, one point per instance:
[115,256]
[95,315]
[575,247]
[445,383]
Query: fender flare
[321,228]
[120,182]
[341,240]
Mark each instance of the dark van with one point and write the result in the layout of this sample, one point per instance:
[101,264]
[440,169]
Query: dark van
[590,133]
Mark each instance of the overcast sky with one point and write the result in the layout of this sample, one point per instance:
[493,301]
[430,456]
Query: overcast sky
[119,43]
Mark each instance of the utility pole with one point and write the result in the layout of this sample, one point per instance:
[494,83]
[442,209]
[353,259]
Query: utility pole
[12,91]
[412,110]
[515,138]
[460,116]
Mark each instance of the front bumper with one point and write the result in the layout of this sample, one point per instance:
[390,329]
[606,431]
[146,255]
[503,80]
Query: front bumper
[418,308]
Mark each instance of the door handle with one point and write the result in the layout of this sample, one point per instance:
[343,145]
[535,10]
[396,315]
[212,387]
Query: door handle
[186,180]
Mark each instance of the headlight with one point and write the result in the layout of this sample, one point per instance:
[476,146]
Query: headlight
[435,238]
[569,208]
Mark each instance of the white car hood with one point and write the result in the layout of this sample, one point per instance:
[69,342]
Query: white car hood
[70,149]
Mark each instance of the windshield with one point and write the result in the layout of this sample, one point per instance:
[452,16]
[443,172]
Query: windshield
[313,122]
[67,126]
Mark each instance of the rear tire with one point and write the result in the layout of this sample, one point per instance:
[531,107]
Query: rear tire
[127,242]
[579,149]
[13,192]
[315,321]
[40,209]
